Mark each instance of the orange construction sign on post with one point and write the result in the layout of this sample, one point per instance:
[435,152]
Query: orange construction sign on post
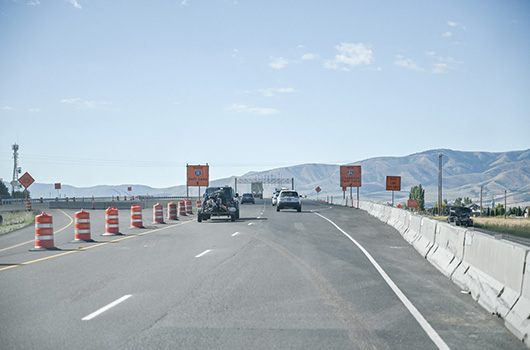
[393,183]
[197,175]
[350,176]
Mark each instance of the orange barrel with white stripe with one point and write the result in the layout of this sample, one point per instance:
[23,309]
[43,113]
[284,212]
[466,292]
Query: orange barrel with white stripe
[172,211]
[189,209]
[112,224]
[44,232]
[182,208]
[136,216]
[82,226]
[158,213]
[28,206]
[198,205]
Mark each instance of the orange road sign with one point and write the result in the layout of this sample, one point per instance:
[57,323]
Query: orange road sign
[393,183]
[198,175]
[350,176]
[26,180]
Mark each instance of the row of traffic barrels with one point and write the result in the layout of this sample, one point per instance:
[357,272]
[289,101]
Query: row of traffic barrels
[44,239]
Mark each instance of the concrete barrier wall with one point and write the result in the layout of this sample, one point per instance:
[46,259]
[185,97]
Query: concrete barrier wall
[414,229]
[425,239]
[492,270]
[448,251]
[495,272]
[518,319]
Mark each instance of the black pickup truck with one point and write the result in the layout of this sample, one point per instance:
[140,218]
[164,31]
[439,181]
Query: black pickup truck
[219,201]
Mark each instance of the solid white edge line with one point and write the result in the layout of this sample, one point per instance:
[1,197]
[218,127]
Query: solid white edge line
[435,337]
[203,253]
[235,234]
[105,308]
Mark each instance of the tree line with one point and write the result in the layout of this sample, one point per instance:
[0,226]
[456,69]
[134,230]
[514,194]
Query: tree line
[418,193]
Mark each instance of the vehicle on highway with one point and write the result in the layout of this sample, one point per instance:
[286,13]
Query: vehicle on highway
[289,199]
[276,194]
[247,198]
[275,198]
[219,201]
[461,216]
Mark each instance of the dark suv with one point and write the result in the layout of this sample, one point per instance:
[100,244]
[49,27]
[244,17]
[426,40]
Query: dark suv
[219,201]
[460,216]
[247,198]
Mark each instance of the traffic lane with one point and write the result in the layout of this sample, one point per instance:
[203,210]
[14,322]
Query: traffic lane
[343,272]
[455,315]
[155,268]
[259,298]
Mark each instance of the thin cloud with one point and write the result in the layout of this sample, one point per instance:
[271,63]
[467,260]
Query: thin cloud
[270,92]
[441,64]
[455,24]
[350,55]
[7,108]
[407,63]
[33,3]
[278,62]
[447,34]
[75,3]
[241,108]
[83,104]
[309,56]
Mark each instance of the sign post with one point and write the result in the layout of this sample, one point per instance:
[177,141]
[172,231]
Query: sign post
[350,176]
[393,183]
[58,188]
[318,189]
[26,180]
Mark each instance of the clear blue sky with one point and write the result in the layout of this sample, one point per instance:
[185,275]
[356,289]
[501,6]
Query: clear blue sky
[128,92]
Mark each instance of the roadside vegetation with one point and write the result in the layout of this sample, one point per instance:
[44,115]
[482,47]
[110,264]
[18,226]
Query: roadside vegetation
[514,226]
[15,220]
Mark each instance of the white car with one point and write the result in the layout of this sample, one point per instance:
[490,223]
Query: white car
[275,198]
[289,199]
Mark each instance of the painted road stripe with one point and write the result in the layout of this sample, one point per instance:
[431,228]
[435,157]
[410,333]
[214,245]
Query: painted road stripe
[32,241]
[235,234]
[94,246]
[105,308]
[203,253]
[435,337]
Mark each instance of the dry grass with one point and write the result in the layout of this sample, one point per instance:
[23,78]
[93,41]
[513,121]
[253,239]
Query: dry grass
[514,226]
[16,220]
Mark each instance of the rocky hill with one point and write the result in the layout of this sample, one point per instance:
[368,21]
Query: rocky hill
[463,175]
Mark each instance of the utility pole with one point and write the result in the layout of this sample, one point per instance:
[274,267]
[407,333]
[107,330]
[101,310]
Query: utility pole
[481,188]
[440,184]
[505,207]
[16,168]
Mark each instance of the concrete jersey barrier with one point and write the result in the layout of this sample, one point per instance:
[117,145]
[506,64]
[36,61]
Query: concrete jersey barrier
[495,272]
[492,270]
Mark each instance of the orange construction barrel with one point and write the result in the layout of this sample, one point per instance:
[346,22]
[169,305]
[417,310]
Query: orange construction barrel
[82,226]
[136,216]
[44,232]
[112,226]
[158,213]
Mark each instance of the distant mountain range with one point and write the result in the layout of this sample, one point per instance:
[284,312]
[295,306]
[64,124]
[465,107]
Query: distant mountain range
[463,175]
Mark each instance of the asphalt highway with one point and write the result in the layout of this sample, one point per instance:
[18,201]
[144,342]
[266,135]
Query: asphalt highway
[326,278]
